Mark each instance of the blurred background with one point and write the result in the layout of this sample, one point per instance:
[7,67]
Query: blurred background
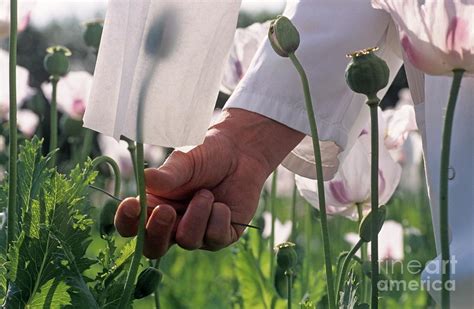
[222,276]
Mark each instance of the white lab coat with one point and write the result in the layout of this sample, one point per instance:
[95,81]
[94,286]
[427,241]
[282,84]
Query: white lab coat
[328,29]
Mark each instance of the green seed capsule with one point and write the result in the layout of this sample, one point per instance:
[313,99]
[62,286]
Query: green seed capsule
[107,216]
[286,255]
[366,73]
[93,33]
[366,224]
[56,62]
[283,36]
[147,282]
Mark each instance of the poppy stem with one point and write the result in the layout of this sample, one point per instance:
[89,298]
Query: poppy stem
[289,284]
[87,144]
[443,183]
[115,168]
[320,180]
[374,197]
[345,265]
[53,118]
[13,173]
[272,211]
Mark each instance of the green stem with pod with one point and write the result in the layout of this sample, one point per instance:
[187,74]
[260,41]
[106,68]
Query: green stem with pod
[320,179]
[13,173]
[443,183]
[374,196]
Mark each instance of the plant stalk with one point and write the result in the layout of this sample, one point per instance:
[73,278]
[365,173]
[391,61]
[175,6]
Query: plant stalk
[13,173]
[443,183]
[87,144]
[104,159]
[289,284]
[320,180]
[374,197]
[293,213]
[273,213]
[345,265]
[53,137]
[137,255]
[363,255]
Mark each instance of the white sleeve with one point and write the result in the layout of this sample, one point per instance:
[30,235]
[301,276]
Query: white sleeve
[168,54]
[328,31]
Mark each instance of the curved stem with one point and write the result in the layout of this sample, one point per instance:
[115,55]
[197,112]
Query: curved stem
[104,159]
[13,174]
[374,197]
[53,137]
[132,273]
[272,211]
[345,265]
[320,180]
[443,183]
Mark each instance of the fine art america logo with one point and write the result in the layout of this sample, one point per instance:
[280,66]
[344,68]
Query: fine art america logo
[431,280]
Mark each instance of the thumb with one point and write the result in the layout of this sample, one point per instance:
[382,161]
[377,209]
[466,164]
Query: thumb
[173,174]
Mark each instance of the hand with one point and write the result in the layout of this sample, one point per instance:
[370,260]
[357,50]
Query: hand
[194,198]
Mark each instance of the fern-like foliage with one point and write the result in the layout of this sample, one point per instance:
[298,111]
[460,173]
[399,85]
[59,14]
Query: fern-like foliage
[45,264]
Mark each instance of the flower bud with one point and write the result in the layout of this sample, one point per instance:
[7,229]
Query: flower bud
[107,215]
[366,73]
[286,255]
[283,36]
[147,282]
[56,62]
[365,227]
[93,33]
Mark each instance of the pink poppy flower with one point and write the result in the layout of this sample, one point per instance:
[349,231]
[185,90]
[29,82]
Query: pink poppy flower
[25,8]
[436,35]
[72,94]
[282,230]
[351,184]
[27,122]
[246,43]
[23,91]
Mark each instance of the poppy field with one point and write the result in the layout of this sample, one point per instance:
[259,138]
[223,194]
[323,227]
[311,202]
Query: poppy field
[311,244]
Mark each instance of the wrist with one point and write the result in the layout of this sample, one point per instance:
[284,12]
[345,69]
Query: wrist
[258,136]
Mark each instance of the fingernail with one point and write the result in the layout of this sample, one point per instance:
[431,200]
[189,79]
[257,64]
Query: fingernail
[165,217]
[131,212]
[206,194]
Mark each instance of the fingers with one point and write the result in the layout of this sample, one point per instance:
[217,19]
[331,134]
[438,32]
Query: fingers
[126,217]
[174,173]
[220,232]
[192,227]
[158,231]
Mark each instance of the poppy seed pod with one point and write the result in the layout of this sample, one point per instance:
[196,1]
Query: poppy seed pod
[93,33]
[283,36]
[286,255]
[56,62]
[147,282]
[367,73]
[366,224]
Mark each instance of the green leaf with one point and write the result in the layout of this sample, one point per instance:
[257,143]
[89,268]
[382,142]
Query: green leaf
[49,253]
[256,290]
[53,294]
[348,298]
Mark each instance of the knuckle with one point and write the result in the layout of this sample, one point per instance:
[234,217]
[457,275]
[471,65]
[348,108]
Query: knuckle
[187,242]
